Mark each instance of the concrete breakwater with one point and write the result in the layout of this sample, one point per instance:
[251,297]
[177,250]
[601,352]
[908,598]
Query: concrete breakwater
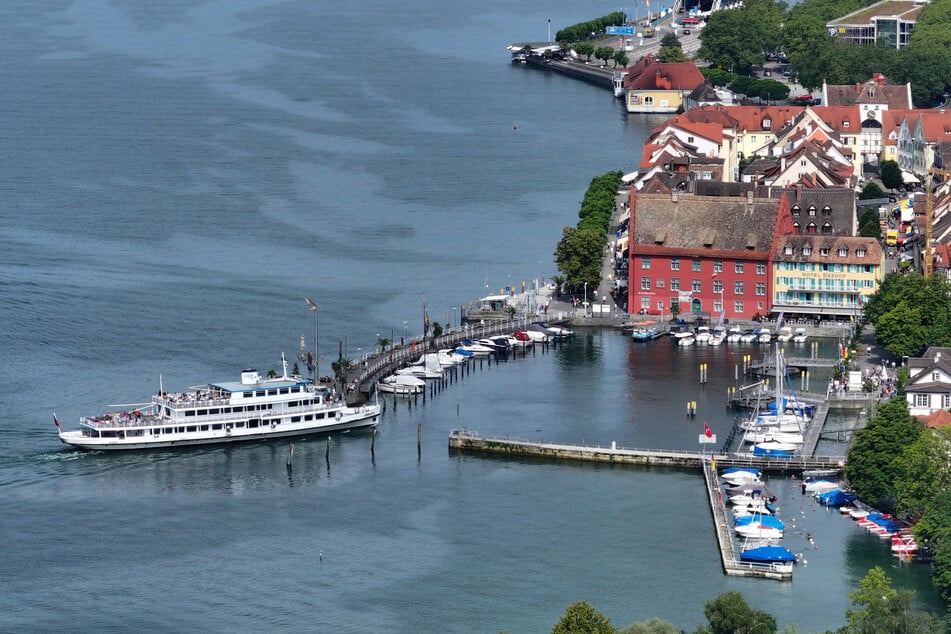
[465,441]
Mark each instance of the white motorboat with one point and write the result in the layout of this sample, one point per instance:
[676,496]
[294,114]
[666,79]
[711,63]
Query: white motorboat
[449,357]
[734,334]
[741,477]
[758,530]
[402,384]
[748,337]
[773,448]
[799,336]
[820,486]
[758,424]
[476,348]
[536,335]
[254,408]
[556,331]
[764,336]
[785,334]
[767,435]
[703,335]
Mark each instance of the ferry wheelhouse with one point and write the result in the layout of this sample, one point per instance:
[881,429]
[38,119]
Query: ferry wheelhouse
[254,408]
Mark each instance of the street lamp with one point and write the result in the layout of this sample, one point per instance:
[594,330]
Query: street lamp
[313,306]
[584,304]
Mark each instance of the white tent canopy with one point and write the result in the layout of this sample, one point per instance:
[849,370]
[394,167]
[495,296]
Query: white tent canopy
[908,177]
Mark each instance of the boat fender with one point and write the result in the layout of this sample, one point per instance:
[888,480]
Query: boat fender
[339,415]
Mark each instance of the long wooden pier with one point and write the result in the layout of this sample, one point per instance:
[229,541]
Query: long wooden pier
[465,441]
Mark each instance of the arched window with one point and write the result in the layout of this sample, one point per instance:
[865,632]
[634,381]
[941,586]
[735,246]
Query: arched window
[827,211]
[796,210]
[827,228]
[797,227]
[812,211]
[812,228]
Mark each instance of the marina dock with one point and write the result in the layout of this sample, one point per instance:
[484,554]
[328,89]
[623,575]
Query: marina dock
[467,442]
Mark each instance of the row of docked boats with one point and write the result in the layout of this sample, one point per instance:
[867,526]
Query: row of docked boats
[412,378]
[754,520]
[704,335]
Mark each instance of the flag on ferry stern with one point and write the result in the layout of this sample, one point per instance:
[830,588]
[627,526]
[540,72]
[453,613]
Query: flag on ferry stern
[706,430]
[56,422]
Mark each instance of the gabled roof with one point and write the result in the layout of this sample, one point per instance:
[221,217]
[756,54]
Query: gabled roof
[936,125]
[796,241]
[705,224]
[682,76]
[937,418]
[840,118]
[877,90]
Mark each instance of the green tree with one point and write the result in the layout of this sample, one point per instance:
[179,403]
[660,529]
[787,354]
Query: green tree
[671,54]
[771,90]
[586,49]
[578,256]
[718,77]
[730,614]
[581,618]
[383,342]
[926,467]
[871,191]
[604,53]
[621,59]
[890,174]
[651,626]
[340,367]
[744,85]
[874,462]
[738,39]
[879,608]
[870,226]
[901,330]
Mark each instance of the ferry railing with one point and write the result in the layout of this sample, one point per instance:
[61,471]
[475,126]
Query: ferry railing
[148,420]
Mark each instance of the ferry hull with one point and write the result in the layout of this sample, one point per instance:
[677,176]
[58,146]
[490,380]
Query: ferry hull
[362,420]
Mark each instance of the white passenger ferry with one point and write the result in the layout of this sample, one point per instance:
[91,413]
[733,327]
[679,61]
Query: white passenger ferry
[254,408]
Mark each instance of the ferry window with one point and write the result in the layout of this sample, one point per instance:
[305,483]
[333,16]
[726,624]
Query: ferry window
[216,426]
[180,430]
[295,389]
[272,392]
[275,421]
[204,428]
[293,403]
[214,411]
[192,428]
[251,423]
[285,390]
[246,395]
[309,417]
[295,419]
[203,412]
[259,393]
[319,416]
[189,412]
[234,409]
[168,430]
[240,424]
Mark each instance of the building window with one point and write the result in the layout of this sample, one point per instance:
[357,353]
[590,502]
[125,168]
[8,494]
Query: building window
[696,264]
[718,266]
[674,264]
[807,250]
[824,252]
[645,283]
[696,286]
[812,228]
[921,400]
[718,305]
[767,123]
[738,308]
[843,252]
[827,229]
[645,262]
[675,283]
[717,286]
[646,302]
[935,377]
[648,101]
[659,283]
[797,228]
[812,211]
[827,211]
[737,267]
[796,210]
[761,268]
[945,401]
[738,288]
[860,253]
[761,288]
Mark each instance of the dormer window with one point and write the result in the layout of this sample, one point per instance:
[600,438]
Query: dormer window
[797,228]
[827,211]
[812,211]
[767,122]
[796,210]
[827,229]
[860,253]
[788,250]
[871,93]
[845,123]
[807,250]
[824,252]
[843,252]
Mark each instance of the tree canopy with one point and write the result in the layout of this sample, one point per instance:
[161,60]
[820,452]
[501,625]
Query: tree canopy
[581,618]
[877,607]
[911,313]
[729,613]
[890,173]
[737,40]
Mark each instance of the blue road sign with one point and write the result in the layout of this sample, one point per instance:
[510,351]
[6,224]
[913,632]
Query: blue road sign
[620,30]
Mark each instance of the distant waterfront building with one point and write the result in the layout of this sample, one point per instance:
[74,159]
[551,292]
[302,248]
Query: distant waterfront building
[873,99]
[709,255]
[817,276]
[889,22]
[928,388]
[660,87]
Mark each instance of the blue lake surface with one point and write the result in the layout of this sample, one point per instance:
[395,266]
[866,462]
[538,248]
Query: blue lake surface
[179,176]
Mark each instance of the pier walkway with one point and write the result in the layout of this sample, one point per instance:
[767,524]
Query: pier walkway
[464,441]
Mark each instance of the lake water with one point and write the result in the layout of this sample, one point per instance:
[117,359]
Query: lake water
[179,177]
